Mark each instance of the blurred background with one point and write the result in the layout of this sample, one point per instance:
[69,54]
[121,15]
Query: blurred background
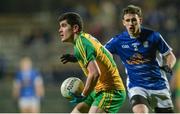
[30,27]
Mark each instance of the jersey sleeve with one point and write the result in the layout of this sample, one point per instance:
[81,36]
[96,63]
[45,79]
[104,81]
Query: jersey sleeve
[110,46]
[38,80]
[37,76]
[163,47]
[85,51]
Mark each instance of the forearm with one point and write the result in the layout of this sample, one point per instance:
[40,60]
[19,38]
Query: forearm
[93,75]
[170,60]
[40,91]
[90,83]
[16,90]
[16,94]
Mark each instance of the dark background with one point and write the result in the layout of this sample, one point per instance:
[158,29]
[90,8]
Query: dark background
[30,27]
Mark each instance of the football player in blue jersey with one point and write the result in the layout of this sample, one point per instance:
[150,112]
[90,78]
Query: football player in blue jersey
[28,87]
[146,57]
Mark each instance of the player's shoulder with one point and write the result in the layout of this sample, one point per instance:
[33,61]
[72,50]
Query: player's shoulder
[149,31]
[120,36]
[85,37]
[82,39]
[35,71]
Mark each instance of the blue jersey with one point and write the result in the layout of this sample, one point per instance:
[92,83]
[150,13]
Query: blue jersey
[140,57]
[27,82]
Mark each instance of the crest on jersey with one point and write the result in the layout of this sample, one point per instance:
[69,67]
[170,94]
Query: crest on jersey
[135,45]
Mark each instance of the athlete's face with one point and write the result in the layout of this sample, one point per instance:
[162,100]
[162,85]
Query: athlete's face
[132,22]
[65,31]
[26,64]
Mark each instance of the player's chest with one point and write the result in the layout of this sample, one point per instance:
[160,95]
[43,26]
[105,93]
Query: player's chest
[132,46]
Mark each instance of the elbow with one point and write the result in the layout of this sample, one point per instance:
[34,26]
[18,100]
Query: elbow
[174,60]
[170,60]
[96,75]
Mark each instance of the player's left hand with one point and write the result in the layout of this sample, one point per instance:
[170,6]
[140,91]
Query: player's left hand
[167,69]
[76,98]
[68,58]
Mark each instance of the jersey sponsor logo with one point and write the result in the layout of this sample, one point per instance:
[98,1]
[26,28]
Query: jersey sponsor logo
[137,59]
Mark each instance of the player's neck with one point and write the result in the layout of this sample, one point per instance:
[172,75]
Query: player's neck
[136,34]
[76,36]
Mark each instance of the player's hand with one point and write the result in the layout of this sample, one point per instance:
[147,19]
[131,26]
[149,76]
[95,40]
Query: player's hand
[76,98]
[41,99]
[68,58]
[167,69]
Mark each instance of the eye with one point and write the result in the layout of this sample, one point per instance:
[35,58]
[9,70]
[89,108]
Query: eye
[127,20]
[63,25]
[134,19]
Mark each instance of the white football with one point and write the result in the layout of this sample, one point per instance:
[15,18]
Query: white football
[71,84]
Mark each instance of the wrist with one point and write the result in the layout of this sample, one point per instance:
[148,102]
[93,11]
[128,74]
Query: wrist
[168,66]
[83,95]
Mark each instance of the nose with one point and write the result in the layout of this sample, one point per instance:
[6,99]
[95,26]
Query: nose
[60,30]
[131,22]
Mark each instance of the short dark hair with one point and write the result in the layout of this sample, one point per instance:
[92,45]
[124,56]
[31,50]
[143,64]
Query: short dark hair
[72,19]
[132,9]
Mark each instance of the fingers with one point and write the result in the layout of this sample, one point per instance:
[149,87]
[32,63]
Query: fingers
[64,56]
[167,69]
[73,102]
[68,58]
[72,94]
[64,60]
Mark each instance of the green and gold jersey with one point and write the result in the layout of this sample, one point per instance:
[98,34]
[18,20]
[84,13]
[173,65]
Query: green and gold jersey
[177,75]
[86,49]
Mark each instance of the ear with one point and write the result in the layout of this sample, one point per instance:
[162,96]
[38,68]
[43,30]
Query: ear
[75,28]
[123,22]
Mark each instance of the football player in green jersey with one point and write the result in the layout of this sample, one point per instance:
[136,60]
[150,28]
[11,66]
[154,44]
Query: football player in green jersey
[104,90]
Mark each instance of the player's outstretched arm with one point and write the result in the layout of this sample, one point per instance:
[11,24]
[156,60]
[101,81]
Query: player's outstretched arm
[170,62]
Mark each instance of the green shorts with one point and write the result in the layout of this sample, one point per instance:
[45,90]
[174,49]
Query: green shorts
[110,101]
